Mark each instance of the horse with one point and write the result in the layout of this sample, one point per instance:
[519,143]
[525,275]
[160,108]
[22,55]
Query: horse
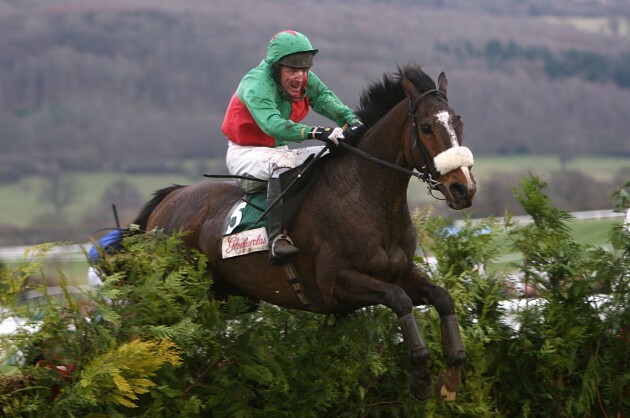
[354,230]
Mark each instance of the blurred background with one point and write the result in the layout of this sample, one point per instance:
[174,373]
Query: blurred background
[104,101]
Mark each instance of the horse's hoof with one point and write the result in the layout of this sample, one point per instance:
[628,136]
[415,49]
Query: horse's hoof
[447,395]
[441,389]
[420,389]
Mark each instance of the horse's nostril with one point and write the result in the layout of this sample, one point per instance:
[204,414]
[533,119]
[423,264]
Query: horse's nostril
[458,190]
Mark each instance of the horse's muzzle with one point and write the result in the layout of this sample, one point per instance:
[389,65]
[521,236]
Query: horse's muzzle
[458,195]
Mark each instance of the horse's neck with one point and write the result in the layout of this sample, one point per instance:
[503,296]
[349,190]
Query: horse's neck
[384,141]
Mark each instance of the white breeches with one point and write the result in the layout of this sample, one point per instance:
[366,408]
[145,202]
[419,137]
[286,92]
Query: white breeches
[260,162]
[94,279]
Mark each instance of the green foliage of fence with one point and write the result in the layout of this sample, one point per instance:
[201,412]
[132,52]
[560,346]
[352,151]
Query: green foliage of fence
[573,348]
[152,342]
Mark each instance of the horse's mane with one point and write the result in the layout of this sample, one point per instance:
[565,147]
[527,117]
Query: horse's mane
[380,97]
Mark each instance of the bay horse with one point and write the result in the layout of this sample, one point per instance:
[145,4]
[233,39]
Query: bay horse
[354,230]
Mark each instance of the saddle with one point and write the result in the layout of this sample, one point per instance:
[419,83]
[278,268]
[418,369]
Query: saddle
[245,229]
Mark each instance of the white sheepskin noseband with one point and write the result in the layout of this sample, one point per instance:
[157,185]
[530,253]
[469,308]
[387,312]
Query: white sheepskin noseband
[452,159]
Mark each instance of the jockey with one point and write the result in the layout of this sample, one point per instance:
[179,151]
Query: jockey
[264,116]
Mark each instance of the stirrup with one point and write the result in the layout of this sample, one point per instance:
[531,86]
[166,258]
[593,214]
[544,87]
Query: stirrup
[282,250]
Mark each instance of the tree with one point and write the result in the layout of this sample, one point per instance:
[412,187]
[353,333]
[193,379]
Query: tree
[59,190]
[122,193]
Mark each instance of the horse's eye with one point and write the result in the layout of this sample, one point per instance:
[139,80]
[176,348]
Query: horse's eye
[425,128]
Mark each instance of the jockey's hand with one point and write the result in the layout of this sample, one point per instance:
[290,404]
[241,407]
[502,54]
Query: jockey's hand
[328,135]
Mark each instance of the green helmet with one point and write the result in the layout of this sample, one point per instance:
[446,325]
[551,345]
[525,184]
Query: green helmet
[290,48]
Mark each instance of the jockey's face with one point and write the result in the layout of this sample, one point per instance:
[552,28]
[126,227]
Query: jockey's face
[292,80]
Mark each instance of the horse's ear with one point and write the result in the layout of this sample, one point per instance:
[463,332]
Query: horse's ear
[442,83]
[409,88]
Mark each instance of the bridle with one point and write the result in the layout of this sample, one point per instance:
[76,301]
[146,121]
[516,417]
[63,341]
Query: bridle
[427,173]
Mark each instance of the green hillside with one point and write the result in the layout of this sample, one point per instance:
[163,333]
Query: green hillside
[102,105]
[133,85]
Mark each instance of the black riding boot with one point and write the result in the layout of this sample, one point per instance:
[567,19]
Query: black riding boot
[281,248]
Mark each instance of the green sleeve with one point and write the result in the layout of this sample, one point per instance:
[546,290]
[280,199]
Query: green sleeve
[327,104]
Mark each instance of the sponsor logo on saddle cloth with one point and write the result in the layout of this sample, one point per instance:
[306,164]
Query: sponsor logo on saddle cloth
[243,235]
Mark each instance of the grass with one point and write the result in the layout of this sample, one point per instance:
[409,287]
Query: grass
[586,232]
[594,232]
[21,203]
[601,168]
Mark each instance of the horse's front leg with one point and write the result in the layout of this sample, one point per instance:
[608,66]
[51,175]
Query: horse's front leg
[451,379]
[357,289]
[423,292]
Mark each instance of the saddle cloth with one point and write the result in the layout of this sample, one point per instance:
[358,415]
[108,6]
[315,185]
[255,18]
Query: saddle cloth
[243,234]
[246,212]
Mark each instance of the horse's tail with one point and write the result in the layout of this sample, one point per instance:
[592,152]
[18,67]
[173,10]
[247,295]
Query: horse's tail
[143,217]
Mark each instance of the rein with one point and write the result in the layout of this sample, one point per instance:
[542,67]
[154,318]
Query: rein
[425,175]
[381,162]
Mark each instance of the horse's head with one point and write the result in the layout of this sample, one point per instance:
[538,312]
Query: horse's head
[433,144]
